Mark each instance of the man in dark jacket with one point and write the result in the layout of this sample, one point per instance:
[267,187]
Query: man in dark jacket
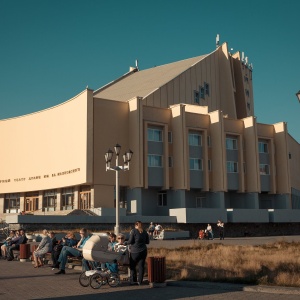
[16,246]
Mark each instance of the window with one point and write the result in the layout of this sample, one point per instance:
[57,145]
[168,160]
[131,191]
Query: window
[196,97]
[67,198]
[262,147]
[162,199]
[208,141]
[154,135]
[209,165]
[232,167]
[154,160]
[206,86]
[170,162]
[246,78]
[49,200]
[170,137]
[247,93]
[231,144]
[201,202]
[195,164]
[264,169]
[12,203]
[202,92]
[248,105]
[195,139]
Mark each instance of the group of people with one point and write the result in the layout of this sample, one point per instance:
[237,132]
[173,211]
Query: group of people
[13,242]
[70,246]
[209,234]
[154,230]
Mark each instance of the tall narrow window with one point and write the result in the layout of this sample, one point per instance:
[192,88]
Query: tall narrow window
[202,92]
[206,86]
[209,165]
[162,199]
[170,137]
[196,97]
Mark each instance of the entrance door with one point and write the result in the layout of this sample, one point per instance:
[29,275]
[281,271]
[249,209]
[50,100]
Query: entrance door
[31,204]
[85,200]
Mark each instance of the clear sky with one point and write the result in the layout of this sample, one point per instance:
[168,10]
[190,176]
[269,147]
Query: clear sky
[50,50]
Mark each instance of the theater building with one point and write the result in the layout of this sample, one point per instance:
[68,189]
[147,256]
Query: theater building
[199,153]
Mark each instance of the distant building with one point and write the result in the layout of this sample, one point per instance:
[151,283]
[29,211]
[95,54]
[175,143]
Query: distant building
[199,153]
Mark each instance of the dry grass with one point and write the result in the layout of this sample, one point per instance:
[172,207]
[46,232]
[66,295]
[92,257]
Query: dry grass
[275,264]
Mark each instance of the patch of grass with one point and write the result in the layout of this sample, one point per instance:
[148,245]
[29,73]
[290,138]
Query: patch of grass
[272,264]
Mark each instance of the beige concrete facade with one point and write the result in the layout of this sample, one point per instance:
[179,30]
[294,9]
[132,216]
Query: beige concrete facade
[199,152]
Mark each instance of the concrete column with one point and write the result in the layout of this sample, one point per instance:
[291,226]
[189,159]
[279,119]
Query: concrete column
[41,200]
[252,200]
[22,202]
[2,203]
[76,197]
[58,200]
[217,200]
[92,197]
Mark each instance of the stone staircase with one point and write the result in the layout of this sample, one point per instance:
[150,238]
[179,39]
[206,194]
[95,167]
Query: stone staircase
[81,212]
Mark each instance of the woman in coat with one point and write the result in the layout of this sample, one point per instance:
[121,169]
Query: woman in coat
[44,247]
[138,240]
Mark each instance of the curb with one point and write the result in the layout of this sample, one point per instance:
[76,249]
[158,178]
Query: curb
[236,287]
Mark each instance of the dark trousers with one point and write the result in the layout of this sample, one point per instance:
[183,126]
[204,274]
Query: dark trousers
[137,259]
[10,250]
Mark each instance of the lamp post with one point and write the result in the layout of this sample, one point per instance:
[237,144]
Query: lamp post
[298,95]
[127,158]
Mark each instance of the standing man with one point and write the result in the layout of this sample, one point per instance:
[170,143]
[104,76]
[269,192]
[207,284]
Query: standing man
[75,251]
[210,232]
[220,224]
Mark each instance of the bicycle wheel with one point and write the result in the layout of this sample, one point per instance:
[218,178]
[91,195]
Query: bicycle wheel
[96,281]
[84,280]
[113,279]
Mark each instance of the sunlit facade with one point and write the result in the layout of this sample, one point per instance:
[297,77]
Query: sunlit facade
[199,153]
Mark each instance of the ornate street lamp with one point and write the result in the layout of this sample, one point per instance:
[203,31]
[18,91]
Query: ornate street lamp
[127,158]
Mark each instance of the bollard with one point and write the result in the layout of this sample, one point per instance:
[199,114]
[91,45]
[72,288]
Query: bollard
[156,269]
[24,252]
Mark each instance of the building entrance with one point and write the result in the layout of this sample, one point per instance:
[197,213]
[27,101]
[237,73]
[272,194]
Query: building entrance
[85,200]
[31,204]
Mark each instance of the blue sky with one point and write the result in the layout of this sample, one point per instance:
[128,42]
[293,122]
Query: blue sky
[50,50]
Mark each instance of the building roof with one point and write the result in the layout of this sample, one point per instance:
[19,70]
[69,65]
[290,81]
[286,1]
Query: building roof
[142,83]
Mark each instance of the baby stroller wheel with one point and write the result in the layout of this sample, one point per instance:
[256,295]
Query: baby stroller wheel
[96,281]
[84,280]
[113,279]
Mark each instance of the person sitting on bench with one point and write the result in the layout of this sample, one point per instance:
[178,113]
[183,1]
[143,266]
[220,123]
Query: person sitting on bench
[75,251]
[16,245]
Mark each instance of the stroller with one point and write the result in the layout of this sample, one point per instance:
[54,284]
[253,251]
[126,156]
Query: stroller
[95,251]
[203,234]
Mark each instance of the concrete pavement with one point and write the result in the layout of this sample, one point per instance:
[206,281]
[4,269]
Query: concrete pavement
[19,280]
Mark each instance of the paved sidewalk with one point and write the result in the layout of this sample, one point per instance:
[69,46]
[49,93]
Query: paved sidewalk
[21,281]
